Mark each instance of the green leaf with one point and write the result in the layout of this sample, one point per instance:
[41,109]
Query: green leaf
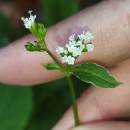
[58,11]
[50,101]
[36,47]
[15,107]
[96,75]
[39,30]
[3,41]
[5,30]
[51,66]
[5,24]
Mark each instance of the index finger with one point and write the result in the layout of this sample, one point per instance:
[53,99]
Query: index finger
[109,25]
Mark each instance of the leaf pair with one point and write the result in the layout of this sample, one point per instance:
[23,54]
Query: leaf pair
[90,73]
[34,47]
[39,30]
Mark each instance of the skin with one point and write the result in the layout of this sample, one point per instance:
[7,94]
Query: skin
[98,104]
[109,22]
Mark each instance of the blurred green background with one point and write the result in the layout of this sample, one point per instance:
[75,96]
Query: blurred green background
[38,107]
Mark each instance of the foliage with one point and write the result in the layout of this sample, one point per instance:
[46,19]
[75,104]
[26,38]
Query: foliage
[57,10]
[89,73]
[34,47]
[38,30]
[5,27]
[51,66]
[7,32]
[15,107]
[96,75]
[50,102]
[40,107]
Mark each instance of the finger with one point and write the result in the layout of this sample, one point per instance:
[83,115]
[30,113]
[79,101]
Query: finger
[108,21]
[106,125]
[103,104]
[21,67]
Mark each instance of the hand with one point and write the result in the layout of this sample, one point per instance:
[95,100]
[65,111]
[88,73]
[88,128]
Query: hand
[105,125]
[109,22]
[99,109]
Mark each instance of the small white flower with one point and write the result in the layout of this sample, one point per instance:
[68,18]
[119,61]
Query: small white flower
[29,22]
[82,37]
[71,60]
[72,43]
[76,52]
[82,47]
[72,37]
[86,37]
[65,52]
[64,59]
[67,45]
[79,43]
[89,47]
[75,47]
[89,35]
[30,11]
[60,50]
[71,48]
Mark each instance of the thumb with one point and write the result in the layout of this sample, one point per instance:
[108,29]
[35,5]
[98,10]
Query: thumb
[98,104]
[108,21]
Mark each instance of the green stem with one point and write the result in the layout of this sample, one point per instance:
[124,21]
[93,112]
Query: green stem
[71,87]
[74,106]
[56,61]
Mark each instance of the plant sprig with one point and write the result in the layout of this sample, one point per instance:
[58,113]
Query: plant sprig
[89,73]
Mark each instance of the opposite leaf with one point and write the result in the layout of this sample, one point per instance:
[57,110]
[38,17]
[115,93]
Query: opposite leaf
[51,66]
[16,105]
[39,30]
[96,75]
[34,47]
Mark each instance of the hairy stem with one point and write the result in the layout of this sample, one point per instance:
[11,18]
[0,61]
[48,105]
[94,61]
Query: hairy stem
[73,98]
[71,87]
[52,56]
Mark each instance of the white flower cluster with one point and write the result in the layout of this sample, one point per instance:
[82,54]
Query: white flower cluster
[29,22]
[75,47]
